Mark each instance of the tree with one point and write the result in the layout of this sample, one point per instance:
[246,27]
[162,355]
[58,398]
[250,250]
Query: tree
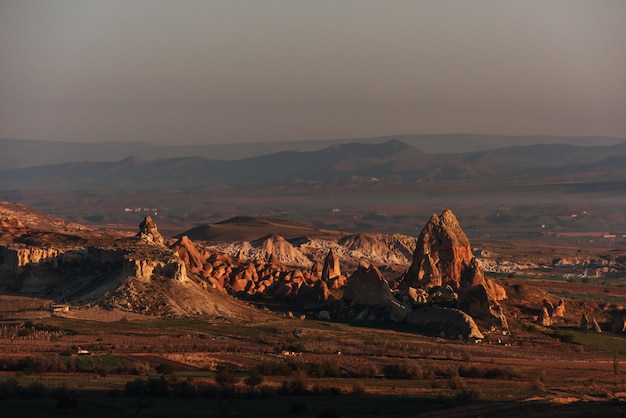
[254,379]
[226,375]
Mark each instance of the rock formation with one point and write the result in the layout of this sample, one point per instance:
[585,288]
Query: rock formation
[444,265]
[451,322]
[596,326]
[331,272]
[367,286]
[443,256]
[148,232]
[544,317]
[559,309]
[189,254]
[281,251]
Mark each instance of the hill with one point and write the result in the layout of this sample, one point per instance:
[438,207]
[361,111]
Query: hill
[28,153]
[391,162]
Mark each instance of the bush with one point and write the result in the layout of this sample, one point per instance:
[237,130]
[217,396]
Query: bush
[358,389]
[457,383]
[324,370]
[403,371]
[367,372]
[275,368]
[474,372]
[538,385]
[165,368]
[226,374]
[468,395]
[254,379]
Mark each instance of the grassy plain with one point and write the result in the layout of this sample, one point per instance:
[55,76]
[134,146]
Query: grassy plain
[309,368]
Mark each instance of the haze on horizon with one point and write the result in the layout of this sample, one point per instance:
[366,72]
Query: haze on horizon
[199,72]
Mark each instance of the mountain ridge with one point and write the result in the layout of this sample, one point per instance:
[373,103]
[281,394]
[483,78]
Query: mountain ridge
[18,153]
[391,162]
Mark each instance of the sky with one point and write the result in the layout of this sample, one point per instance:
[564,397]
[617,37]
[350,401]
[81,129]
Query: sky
[211,71]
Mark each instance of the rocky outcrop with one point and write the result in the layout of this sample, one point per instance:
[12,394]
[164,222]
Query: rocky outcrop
[596,326]
[554,310]
[443,256]
[444,265]
[544,317]
[367,286]
[17,256]
[147,269]
[315,295]
[452,322]
[393,249]
[149,233]
[189,254]
[331,271]
[559,309]
[281,251]
[477,301]
[586,324]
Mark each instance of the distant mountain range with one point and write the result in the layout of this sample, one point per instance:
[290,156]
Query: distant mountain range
[29,153]
[393,161]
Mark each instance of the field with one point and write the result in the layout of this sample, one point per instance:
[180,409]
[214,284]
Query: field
[280,366]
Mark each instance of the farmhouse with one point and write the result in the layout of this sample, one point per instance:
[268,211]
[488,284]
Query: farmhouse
[59,308]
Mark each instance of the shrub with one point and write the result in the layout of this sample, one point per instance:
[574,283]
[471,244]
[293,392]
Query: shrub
[467,395]
[165,368]
[254,379]
[358,389]
[538,385]
[457,383]
[403,371]
[226,376]
[367,372]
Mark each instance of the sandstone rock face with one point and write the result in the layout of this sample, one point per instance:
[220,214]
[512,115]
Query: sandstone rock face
[146,269]
[281,251]
[379,248]
[148,232]
[443,256]
[544,318]
[554,311]
[331,267]
[16,257]
[189,254]
[331,272]
[596,326]
[443,264]
[367,286]
[452,322]
[478,302]
[559,309]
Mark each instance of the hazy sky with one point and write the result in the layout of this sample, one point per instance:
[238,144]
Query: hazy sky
[223,71]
